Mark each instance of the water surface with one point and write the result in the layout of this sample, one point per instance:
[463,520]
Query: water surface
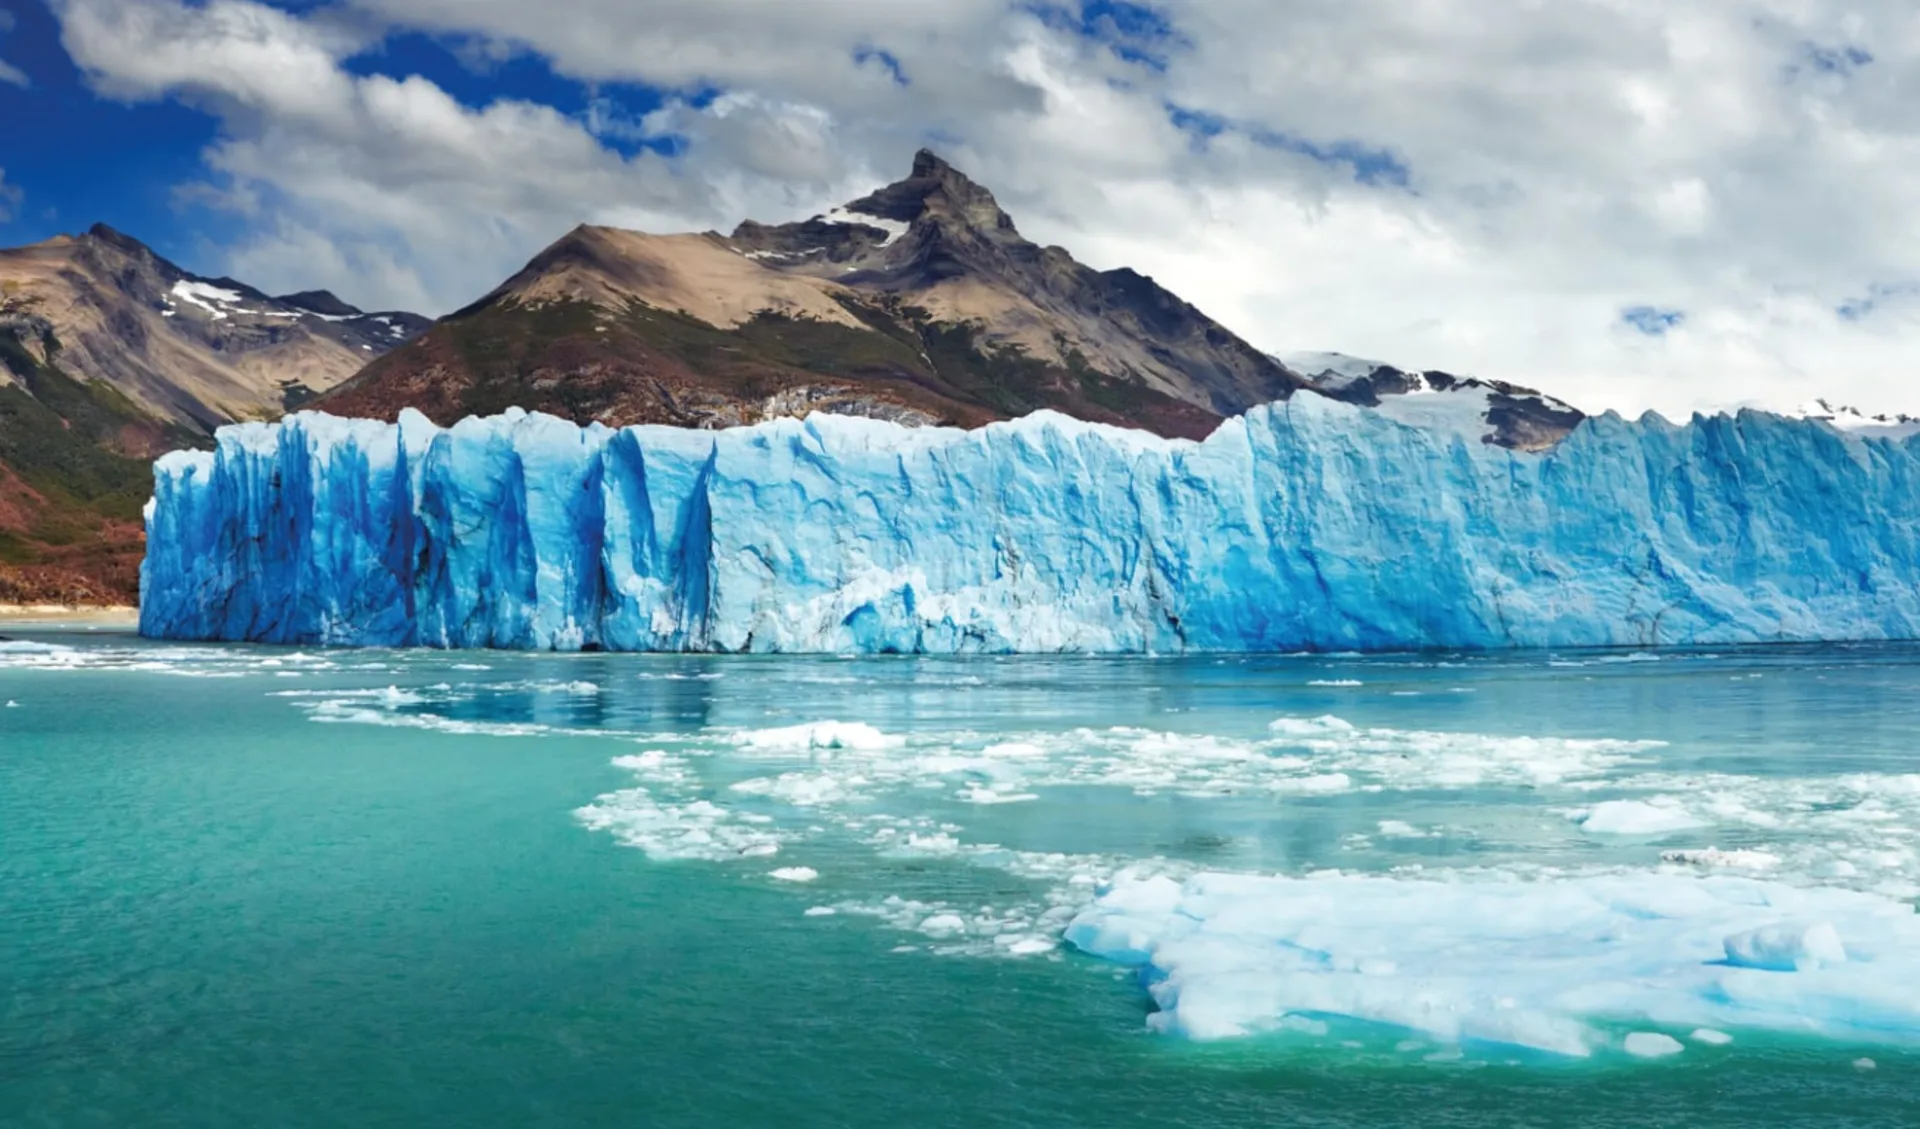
[247,886]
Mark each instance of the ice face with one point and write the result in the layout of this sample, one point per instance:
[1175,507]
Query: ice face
[1308,524]
[1552,965]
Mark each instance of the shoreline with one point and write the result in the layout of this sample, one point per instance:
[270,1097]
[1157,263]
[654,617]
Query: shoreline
[115,615]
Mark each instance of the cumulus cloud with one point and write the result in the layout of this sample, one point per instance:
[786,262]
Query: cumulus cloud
[1630,203]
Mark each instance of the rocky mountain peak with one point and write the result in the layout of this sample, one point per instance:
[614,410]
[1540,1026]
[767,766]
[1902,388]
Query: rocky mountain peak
[320,302]
[935,190]
[929,165]
[940,244]
[114,237]
[105,245]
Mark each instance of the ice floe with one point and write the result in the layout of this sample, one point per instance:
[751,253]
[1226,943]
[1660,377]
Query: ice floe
[1548,965]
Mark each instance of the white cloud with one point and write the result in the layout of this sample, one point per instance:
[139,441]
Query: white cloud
[1479,185]
[10,74]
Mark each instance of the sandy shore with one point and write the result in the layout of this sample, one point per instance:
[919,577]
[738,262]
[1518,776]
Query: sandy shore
[55,613]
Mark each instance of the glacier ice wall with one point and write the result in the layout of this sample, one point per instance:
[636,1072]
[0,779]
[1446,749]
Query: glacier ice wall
[1308,524]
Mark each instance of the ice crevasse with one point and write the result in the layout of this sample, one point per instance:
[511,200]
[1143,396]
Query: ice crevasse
[1307,524]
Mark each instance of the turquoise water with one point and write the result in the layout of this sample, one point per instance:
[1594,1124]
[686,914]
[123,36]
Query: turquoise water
[248,886]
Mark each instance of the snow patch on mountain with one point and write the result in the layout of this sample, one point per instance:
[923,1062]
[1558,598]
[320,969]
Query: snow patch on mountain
[894,228]
[1856,422]
[215,300]
[1330,370]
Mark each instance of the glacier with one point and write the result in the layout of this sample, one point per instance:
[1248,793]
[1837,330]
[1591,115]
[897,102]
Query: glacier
[1307,524]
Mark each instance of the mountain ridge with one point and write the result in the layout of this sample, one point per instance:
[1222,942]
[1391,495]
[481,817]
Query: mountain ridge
[919,302]
[111,354]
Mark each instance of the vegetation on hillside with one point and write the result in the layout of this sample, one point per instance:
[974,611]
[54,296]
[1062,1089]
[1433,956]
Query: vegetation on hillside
[646,365]
[75,469]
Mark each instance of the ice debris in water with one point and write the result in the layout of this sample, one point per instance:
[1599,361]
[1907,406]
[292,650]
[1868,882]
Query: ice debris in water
[1303,524]
[1707,858]
[1545,964]
[1787,948]
[794,874]
[856,735]
[1661,815]
[1651,1044]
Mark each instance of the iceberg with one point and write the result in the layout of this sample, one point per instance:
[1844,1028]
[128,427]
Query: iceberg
[1303,525]
[1554,965]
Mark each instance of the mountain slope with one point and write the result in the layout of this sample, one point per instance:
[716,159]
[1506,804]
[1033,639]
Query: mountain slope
[110,355]
[1487,411]
[920,302]
[945,245]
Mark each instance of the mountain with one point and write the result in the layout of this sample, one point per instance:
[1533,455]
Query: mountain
[110,355]
[1488,411]
[1853,421]
[1309,524]
[920,303]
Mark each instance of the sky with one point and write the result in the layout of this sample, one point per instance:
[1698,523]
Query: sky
[1673,205]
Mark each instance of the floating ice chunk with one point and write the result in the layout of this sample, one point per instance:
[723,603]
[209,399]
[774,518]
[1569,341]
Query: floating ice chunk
[1029,946]
[794,874]
[820,911]
[854,735]
[995,795]
[943,925]
[1309,726]
[1652,1044]
[799,788]
[1661,815]
[1547,964]
[1127,920]
[1787,947]
[1709,1037]
[1336,682]
[1712,857]
[1321,784]
[1014,750]
[1865,1064]
[670,829]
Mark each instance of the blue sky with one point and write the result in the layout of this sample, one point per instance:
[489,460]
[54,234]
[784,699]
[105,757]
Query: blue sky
[1630,204]
[77,158]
